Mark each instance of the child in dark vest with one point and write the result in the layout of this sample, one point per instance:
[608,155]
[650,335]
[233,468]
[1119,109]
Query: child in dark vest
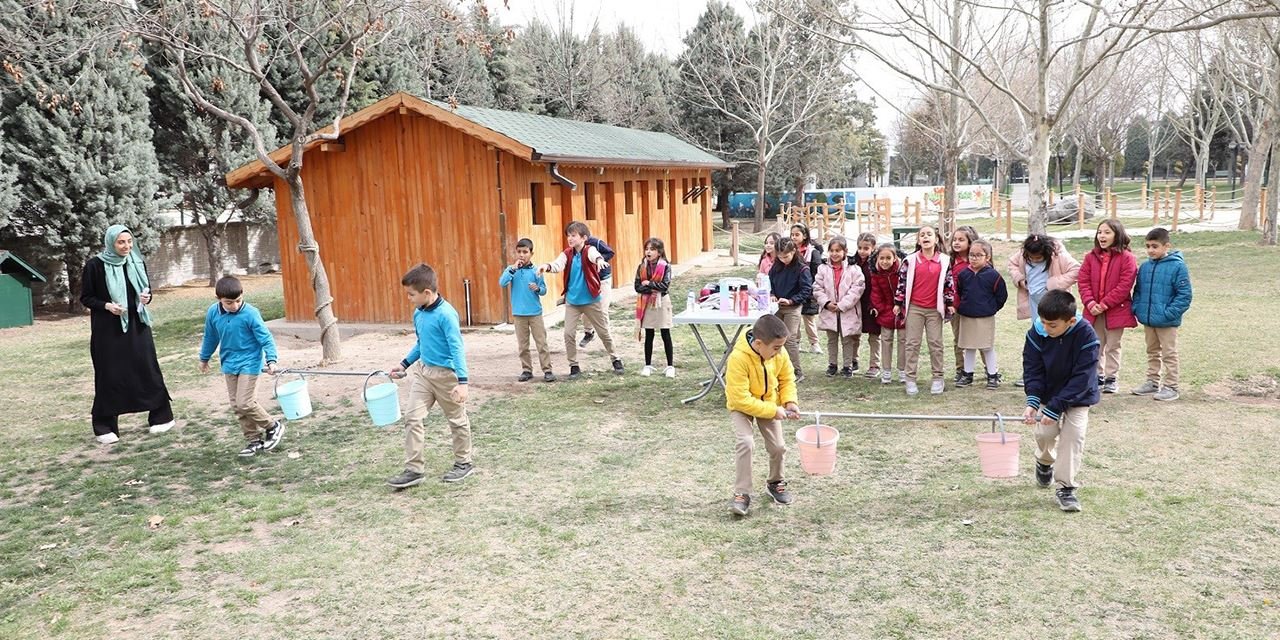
[581,265]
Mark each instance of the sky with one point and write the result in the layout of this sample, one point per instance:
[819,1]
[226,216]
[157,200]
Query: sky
[662,25]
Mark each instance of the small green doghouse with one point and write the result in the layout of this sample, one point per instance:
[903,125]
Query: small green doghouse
[16,277]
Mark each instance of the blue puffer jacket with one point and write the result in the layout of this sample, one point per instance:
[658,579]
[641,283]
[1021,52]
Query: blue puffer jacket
[1162,291]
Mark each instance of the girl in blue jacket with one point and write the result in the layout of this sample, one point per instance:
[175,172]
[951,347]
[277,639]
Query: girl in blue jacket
[982,295]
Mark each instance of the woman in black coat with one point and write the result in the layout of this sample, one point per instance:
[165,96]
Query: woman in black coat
[126,374]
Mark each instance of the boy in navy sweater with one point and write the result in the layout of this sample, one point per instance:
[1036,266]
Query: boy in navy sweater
[235,329]
[527,288]
[440,377]
[1059,365]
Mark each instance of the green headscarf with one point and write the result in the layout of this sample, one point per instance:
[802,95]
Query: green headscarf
[114,263]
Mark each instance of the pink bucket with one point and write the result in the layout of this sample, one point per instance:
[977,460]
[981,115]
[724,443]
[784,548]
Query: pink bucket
[998,454]
[817,444]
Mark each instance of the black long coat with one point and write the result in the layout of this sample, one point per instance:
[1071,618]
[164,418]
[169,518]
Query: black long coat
[126,374]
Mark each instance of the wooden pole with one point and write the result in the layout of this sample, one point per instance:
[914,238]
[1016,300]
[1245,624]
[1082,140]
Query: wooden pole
[917,208]
[1262,207]
[1177,206]
[1080,209]
[1155,207]
[1200,201]
[1144,195]
[1213,201]
[1008,219]
[733,241]
[1115,206]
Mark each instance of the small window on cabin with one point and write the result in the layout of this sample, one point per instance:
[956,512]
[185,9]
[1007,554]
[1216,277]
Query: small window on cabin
[629,197]
[684,188]
[536,203]
[589,192]
[566,204]
[662,197]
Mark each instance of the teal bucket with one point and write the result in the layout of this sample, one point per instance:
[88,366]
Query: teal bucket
[382,401]
[294,400]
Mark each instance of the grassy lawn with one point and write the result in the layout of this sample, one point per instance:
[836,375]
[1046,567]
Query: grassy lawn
[599,509]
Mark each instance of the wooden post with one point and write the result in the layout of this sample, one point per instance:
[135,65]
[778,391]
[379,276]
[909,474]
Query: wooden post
[1008,219]
[1155,207]
[906,209]
[1144,194]
[1177,206]
[917,208]
[733,241]
[1200,201]
[1051,194]
[1262,207]
[1080,209]
[1115,206]
[1213,201]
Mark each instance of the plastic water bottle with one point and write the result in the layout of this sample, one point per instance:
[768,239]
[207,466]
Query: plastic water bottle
[690,302]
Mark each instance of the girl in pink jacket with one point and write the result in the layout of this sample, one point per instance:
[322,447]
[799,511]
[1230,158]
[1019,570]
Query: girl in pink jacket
[1106,287]
[838,291]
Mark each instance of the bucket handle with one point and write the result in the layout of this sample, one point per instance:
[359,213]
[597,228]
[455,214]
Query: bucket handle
[998,421]
[365,393]
[817,427]
[275,387]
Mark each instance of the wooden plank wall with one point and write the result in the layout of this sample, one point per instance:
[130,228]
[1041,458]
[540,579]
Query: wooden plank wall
[408,189]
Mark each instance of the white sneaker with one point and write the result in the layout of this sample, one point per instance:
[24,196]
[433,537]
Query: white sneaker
[671,372]
[161,428]
[902,375]
[646,371]
[937,387]
[886,377]
[816,349]
[912,389]
[107,438]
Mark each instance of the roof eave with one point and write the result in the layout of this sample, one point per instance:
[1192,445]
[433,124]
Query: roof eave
[629,162]
[8,255]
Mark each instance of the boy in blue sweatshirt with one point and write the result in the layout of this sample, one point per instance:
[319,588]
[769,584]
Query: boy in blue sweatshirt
[439,377]
[606,285]
[1161,294]
[1059,365]
[235,329]
[527,288]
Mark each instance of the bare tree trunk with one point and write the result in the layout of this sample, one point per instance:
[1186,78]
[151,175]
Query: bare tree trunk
[1038,173]
[797,186]
[74,267]
[1075,170]
[760,203]
[1269,216]
[1253,171]
[330,344]
[950,169]
[722,200]
[213,251]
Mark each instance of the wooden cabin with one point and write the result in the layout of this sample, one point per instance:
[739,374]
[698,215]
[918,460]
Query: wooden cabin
[416,181]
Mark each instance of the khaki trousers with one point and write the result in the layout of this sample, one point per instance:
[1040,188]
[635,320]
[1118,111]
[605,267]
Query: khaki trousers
[928,322]
[886,348]
[526,325]
[791,317]
[744,432]
[1062,445]
[811,329]
[839,344]
[593,316]
[1162,349]
[606,287]
[429,386]
[1108,347]
[242,389]
[873,344]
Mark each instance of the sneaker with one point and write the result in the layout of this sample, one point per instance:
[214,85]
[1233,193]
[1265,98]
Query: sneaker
[251,449]
[575,372]
[1150,387]
[1019,383]
[912,389]
[993,380]
[405,480]
[525,376]
[832,370]
[958,377]
[873,372]
[886,377]
[587,337]
[902,375]
[272,436]
[107,438]
[1166,394]
[799,377]
[459,471]
[937,386]
[964,379]
[740,505]
[547,376]
[1067,499]
[646,371]
[1044,474]
[815,348]
[617,366]
[855,365]
[847,372]
[161,428]
[670,372]
[1110,386]
[779,492]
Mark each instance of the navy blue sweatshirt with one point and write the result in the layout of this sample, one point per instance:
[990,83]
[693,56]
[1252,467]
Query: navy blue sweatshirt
[606,252]
[982,294]
[793,281]
[1061,372]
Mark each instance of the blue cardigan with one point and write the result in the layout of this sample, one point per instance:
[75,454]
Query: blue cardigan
[1061,372]
[982,294]
[1162,291]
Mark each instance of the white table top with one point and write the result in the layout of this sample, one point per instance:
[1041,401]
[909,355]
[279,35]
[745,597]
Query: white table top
[715,316]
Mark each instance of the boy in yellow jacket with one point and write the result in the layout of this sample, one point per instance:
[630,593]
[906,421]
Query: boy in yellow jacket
[760,386]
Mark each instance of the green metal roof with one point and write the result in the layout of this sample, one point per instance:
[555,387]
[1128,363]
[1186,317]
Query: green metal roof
[573,141]
[6,256]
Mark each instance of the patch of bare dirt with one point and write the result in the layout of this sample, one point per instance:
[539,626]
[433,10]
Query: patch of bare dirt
[1258,389]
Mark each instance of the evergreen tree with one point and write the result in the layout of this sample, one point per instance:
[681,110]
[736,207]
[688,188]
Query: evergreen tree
[78,134]
[636,94]
[508,73]
[8,185]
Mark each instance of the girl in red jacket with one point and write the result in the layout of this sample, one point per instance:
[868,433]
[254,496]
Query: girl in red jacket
[1106,286]
[883,286]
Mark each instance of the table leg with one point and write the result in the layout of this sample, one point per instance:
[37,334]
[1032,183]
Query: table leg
[717,370]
